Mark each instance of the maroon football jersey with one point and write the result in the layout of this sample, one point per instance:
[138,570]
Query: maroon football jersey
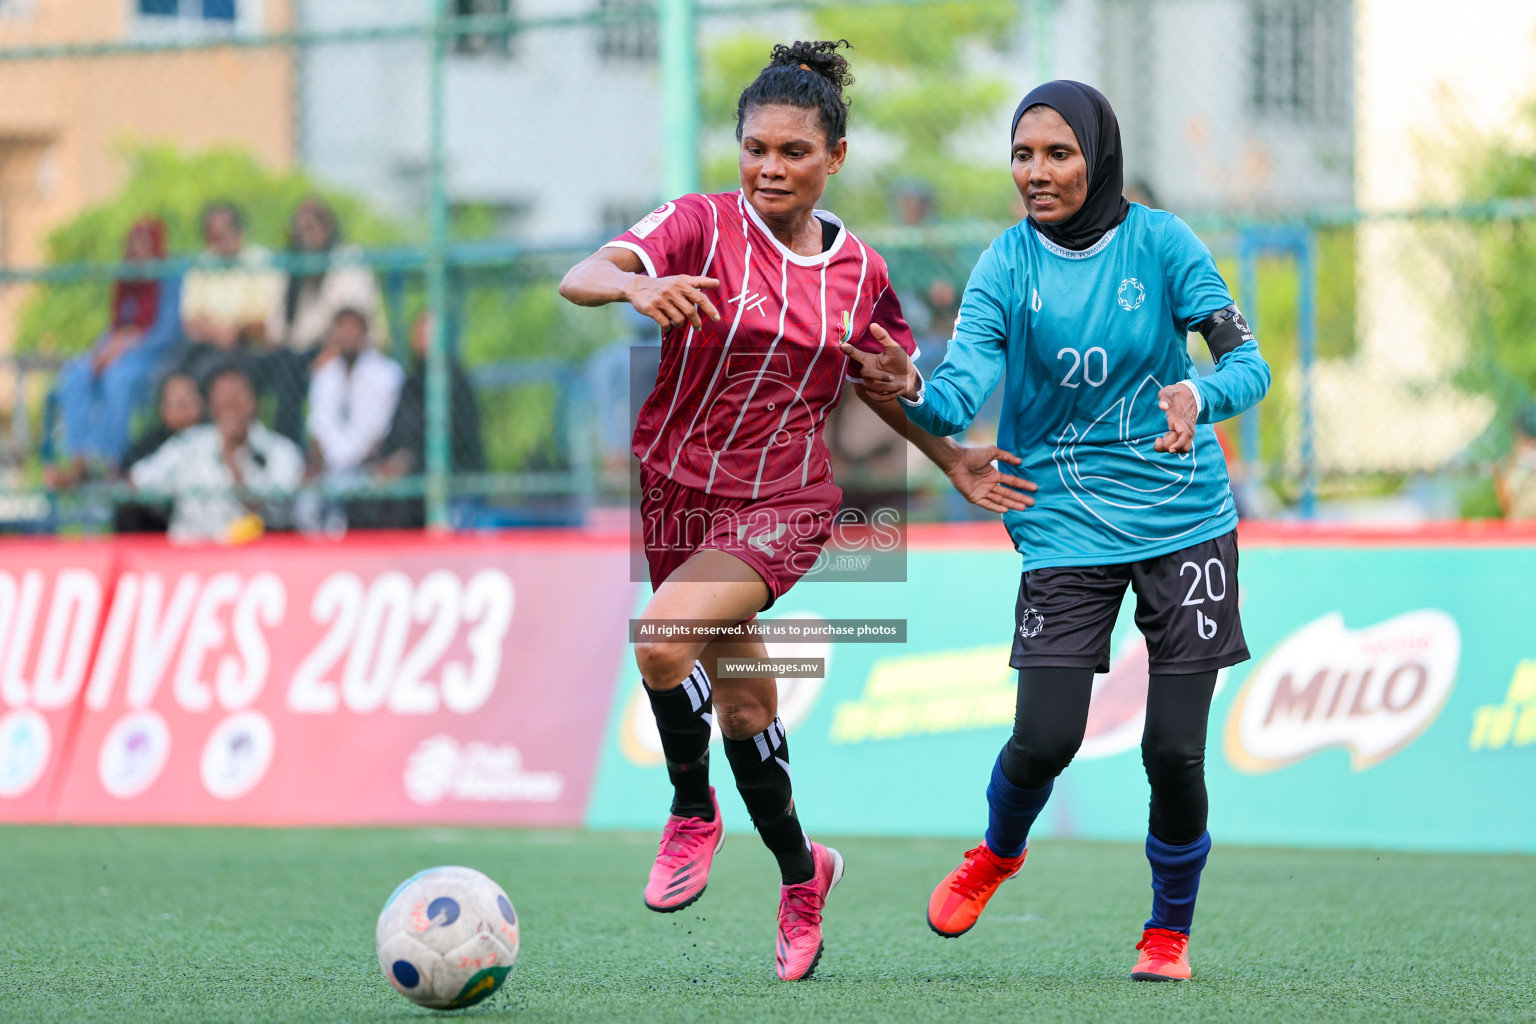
[739,405]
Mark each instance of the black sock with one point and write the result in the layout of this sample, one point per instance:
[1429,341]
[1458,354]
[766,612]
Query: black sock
[761,767]
[683,715]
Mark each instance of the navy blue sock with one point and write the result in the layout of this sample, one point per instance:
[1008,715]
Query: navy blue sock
[1011,810]
[1175,881]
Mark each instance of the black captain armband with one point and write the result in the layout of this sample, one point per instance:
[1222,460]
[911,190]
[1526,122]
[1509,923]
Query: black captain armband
[1224,330]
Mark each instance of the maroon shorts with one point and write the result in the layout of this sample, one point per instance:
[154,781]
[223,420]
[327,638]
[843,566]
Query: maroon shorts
[779,537]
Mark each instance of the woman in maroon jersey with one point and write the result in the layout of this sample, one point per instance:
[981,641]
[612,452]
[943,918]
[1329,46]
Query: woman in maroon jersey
[756,292]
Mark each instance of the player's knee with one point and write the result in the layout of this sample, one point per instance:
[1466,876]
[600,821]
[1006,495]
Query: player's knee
[663,665]
[1031,762]
[741,719]
[1172,764]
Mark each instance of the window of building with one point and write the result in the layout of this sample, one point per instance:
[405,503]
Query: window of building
[192,10]
[1302,63]
[483,43]
[178,19]
[627,31]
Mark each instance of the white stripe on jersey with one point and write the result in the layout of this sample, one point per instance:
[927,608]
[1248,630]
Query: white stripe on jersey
[746,278]
[757,381]
[810,438]
[810,443]
[687,337]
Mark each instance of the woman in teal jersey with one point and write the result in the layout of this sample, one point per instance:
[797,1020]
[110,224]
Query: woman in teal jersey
[1082,312]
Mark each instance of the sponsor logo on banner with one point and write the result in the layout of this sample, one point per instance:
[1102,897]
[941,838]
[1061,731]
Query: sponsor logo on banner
[641,743]
[1513,722]
[133,754]
[24,747]
[955,691]
[237,754]
[441,769]
[1371,691]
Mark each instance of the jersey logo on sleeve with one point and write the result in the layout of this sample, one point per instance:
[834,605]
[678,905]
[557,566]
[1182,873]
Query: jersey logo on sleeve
[1131,294]
[653,220]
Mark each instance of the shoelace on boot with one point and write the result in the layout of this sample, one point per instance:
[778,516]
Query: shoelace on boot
[680,834]
[1161,944]
[979,872]
[801,909]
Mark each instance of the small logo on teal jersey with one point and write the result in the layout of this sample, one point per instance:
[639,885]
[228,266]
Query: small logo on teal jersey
[1131,294]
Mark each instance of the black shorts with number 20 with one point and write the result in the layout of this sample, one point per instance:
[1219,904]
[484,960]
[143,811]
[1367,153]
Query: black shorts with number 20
[1186,607]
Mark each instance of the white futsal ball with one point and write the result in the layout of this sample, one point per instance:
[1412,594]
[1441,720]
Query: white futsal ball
[447,938]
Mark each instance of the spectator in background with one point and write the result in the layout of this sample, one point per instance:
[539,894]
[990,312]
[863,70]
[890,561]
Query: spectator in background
[225,300]
[913,203]
[180,406]
[100,391]
[405,448]
[206,467]
[1514,479]
[306,307]
[352,398]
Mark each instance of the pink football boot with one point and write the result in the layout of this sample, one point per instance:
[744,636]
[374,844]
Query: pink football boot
[800,906]
[688,847]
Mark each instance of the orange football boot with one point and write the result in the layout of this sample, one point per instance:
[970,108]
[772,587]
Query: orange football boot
[962,896]
[1164,956]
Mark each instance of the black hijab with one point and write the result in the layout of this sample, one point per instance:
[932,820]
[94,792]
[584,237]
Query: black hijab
[1088,114]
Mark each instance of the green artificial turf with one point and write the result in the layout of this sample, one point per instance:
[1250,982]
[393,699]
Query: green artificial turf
[252,925]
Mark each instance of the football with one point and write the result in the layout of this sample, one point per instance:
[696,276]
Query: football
[447,937]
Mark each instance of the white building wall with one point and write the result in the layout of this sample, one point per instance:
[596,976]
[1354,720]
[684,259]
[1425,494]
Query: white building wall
[1180,75]
[1427,84]
[568,142]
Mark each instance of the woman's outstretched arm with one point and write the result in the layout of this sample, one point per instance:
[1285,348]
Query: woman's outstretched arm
[613,274]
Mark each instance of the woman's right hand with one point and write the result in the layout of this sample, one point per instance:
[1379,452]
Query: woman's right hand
[976,475]
[671,300]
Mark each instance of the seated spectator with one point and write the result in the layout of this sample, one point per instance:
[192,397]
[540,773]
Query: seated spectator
[307,305]
[180,407]
[351,398]
[100,391]
[226,299]
[206,467]
[405,448]
[1514,479]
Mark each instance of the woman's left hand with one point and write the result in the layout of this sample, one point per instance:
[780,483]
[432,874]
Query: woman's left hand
[982,483]
[885,374]
[1179,403]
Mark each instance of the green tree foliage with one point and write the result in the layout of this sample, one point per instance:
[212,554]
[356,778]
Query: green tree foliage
[164,182]
[917,104]
[1493,270]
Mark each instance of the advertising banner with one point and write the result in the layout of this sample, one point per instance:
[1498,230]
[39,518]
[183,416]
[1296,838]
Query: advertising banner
[52,601]
[389,680]
[1390,702]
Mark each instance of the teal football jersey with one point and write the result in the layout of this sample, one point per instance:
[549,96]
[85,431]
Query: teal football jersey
[1081,343]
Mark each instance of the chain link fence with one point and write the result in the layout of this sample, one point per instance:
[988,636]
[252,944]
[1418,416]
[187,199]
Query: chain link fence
[354,213]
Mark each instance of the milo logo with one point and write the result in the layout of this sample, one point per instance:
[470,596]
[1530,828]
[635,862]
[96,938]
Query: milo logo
[1371,691]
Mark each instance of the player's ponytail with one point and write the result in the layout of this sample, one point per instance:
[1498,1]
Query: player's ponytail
[811,76]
